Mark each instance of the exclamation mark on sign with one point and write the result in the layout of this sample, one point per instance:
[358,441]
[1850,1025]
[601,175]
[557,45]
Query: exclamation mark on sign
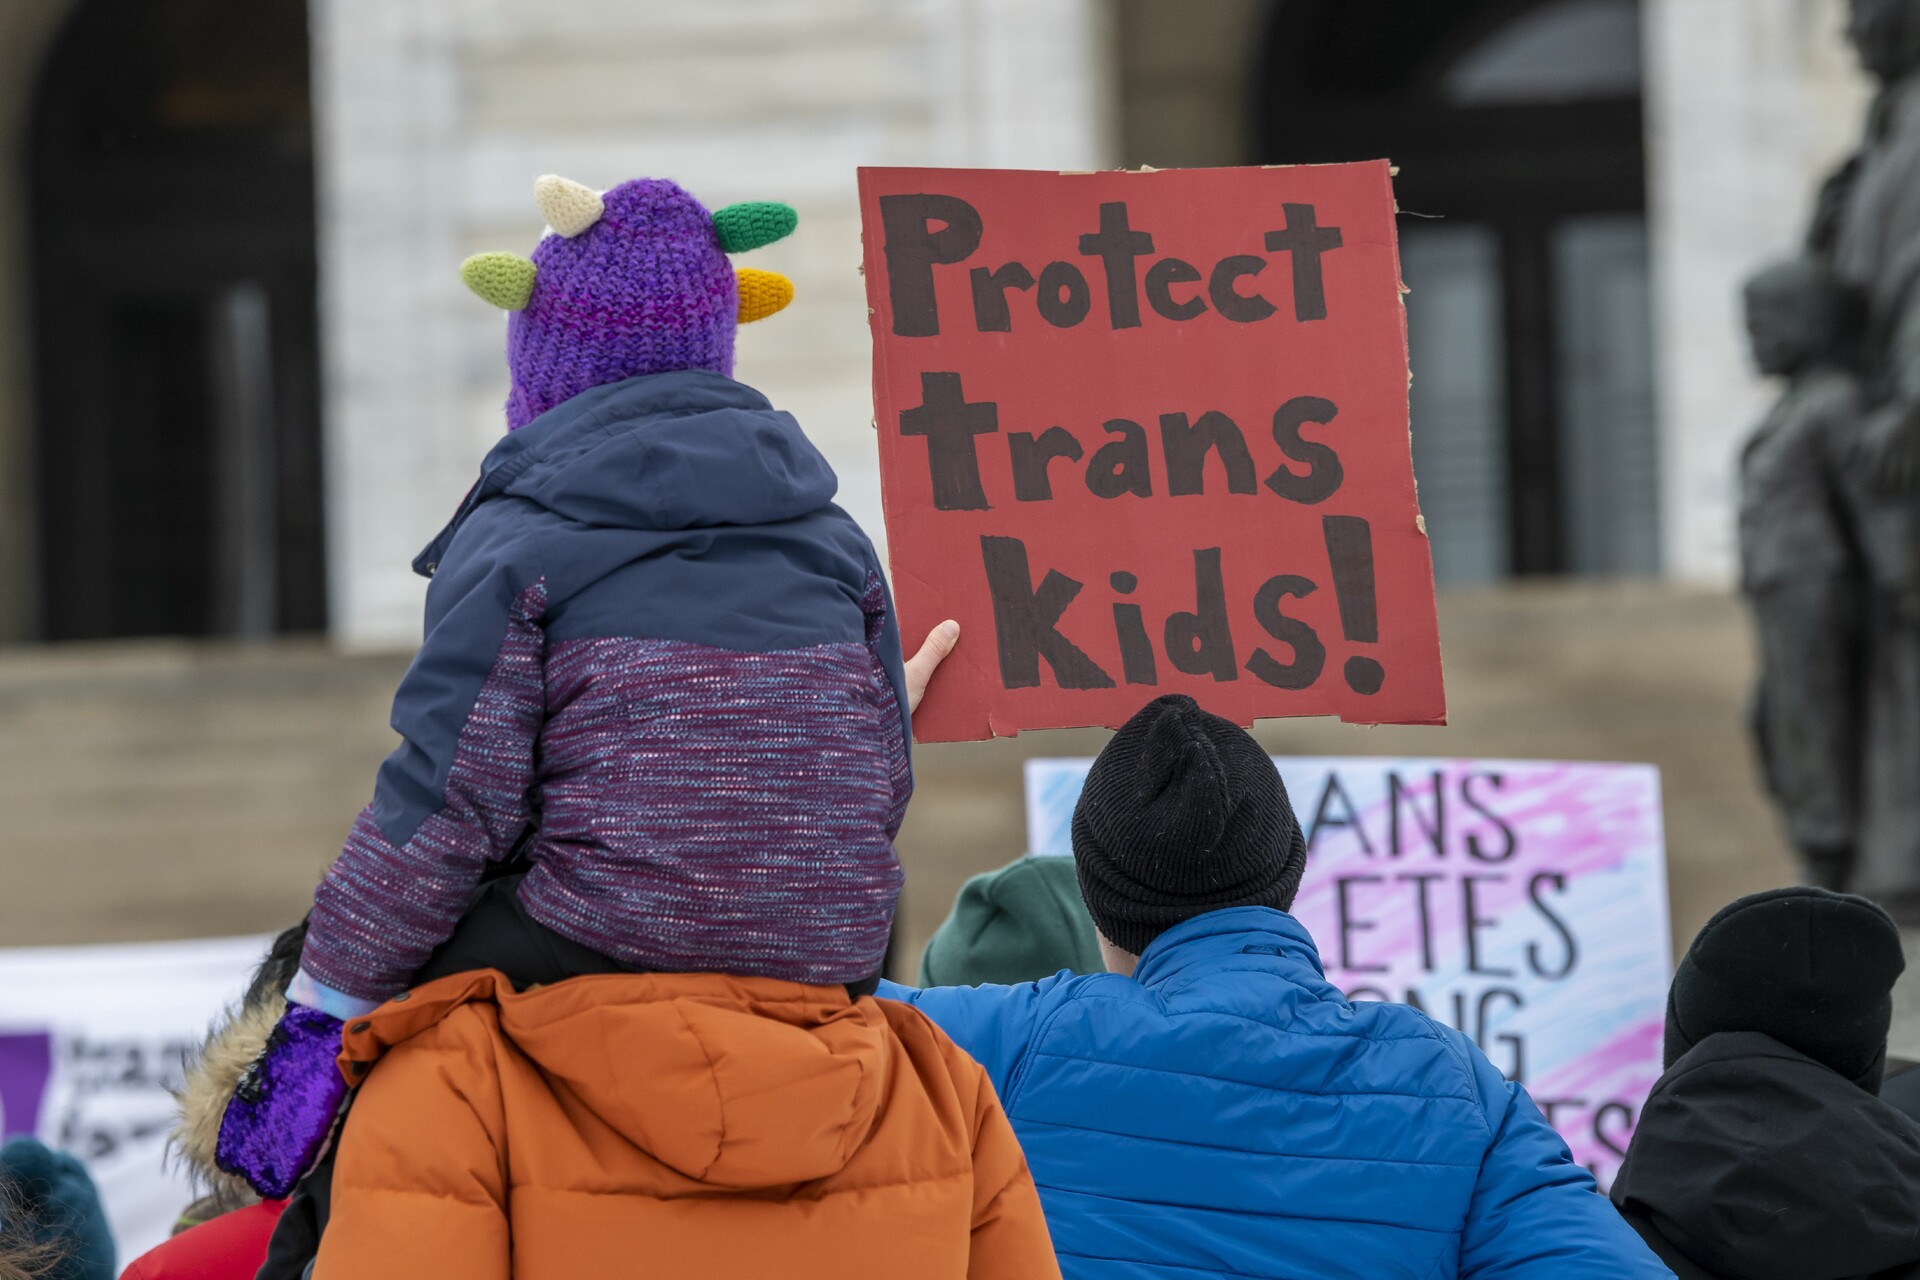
[1350,552]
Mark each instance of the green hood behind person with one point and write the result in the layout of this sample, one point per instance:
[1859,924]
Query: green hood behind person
[50,1208]
[1020,923]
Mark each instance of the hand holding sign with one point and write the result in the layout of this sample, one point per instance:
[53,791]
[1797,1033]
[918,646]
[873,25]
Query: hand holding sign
[927,660]
[1026,328]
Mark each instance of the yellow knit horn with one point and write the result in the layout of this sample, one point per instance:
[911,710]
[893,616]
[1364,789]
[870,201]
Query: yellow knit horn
[762,293]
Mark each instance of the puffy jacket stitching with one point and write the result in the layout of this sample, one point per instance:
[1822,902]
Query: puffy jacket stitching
[1474,1093]
[706,1192]
[1171,1266]
[482,1060]
[1246,1151]
[1181,980]
[1216,1078]
[983,1085]
[442,1197]
[994,1200]
[720,1108]
[1017,1077]
[1160,1266]
[1263,1214]
[1426,1029]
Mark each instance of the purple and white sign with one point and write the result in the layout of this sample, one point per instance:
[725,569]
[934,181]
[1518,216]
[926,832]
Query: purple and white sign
[91,1045]
[1524,902]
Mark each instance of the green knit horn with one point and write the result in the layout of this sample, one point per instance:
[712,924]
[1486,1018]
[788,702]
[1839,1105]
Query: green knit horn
[504,279]
[756,222]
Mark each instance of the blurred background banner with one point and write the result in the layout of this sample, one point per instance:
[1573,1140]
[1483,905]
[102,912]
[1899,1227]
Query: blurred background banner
[91,1045]
[1522,902]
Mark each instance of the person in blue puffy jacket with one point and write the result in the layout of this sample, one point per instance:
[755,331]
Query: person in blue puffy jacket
[1213,1106]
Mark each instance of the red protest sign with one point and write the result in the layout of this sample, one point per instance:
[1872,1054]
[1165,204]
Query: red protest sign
[1146,433]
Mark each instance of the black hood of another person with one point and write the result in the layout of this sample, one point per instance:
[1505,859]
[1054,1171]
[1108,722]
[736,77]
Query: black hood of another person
[1759,1163]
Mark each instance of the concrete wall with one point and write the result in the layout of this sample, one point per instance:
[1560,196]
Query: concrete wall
[1749,104]
[436,118]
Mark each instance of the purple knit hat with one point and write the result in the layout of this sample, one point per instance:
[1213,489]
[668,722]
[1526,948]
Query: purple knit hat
[632,281]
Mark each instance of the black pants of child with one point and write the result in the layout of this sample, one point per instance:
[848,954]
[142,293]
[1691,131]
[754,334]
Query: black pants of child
[495,933]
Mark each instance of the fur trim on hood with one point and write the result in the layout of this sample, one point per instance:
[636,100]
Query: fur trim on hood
[212,1075]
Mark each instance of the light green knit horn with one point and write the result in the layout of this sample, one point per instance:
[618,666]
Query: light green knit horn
[504,279]
[757,222]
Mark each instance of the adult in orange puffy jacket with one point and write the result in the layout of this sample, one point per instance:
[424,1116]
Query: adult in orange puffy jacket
[672,1124]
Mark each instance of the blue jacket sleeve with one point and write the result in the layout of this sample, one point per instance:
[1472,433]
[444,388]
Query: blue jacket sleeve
[1535,1213]
[993,1024]
[456,793]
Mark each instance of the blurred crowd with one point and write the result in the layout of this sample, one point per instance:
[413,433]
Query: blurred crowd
[1119,1062]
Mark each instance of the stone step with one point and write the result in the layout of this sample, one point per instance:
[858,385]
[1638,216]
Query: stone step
[165,789]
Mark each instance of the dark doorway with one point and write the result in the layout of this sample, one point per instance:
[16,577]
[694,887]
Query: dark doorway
[1517,128]
[172,205]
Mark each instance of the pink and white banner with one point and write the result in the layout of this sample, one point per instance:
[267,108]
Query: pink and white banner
[1523,902]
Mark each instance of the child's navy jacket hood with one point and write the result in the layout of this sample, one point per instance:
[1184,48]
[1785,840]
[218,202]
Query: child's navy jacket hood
[682,450]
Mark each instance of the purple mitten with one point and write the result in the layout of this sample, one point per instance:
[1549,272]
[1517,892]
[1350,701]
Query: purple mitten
[284,1109]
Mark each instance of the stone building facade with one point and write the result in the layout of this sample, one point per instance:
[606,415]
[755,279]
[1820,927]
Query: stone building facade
[430,119]
[436,118]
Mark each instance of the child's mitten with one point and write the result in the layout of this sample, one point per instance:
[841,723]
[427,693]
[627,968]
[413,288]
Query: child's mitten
[284,1109]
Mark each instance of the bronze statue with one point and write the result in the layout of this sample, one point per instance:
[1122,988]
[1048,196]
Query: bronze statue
[1797,564]
[1840,702]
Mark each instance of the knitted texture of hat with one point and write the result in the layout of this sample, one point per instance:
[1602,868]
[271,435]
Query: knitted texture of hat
[58,1211]
[1810,968]
[1022,922]
[1182,814]
[645,289]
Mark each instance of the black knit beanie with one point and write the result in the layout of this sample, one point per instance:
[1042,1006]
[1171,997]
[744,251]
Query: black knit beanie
[1811,968]
[1182,814]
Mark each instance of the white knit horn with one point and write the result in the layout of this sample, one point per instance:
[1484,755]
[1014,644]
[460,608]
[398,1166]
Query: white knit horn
[568,207]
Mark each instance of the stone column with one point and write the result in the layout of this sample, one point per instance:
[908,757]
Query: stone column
[435,120]
[1749,103]
[390,194]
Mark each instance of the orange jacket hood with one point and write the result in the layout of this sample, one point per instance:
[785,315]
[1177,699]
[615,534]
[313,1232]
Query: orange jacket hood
[712,1125]
[747,1082]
